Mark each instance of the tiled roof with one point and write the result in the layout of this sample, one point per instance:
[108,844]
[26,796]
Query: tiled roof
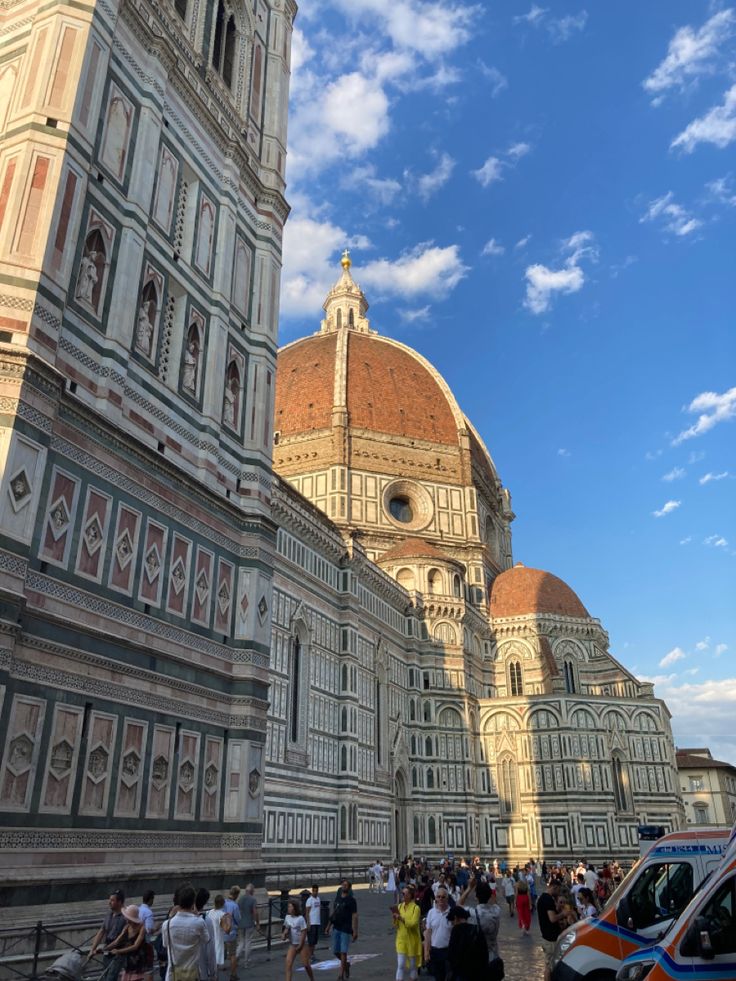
[520,590]
[413,548]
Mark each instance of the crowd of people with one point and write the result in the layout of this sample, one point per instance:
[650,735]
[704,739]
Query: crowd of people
[446,920]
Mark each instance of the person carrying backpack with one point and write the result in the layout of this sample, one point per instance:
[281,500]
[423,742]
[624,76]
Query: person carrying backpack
[467,953]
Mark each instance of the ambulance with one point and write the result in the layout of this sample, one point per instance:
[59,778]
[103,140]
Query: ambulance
[701,944]
[638,913]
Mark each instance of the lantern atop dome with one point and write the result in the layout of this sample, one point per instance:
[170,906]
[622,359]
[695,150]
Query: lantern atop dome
[345,305]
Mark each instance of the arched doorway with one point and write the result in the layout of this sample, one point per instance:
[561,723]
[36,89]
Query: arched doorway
[400,841]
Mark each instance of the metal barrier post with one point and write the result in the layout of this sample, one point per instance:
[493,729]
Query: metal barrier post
[270,921]
[37,949]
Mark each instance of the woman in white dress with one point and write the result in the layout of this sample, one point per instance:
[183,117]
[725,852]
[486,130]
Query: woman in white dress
[391,885]
[216,915]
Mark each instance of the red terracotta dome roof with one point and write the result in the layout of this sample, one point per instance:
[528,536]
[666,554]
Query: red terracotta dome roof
[519,591]
[388,389]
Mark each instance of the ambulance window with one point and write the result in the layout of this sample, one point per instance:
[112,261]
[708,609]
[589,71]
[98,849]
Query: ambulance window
[662,892]
[718,919]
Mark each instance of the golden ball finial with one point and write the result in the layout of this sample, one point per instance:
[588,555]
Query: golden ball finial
[346,262]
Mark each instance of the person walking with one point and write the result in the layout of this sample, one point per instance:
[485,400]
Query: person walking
[467,952]
[550,922]
[295,932]
[523,906]
[406,918]
[207,966]
[344,926]
[184,934]
[131,946]
[437,936]
[214,917]
[313,915]
[231,938]
[249,921]
[107,937]
[508,888]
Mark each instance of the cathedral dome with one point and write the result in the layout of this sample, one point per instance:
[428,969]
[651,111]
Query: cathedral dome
[521,591]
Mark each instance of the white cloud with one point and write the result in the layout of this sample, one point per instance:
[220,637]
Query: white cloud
[667,508]
[686,541]
[677,473]
[675,655]
[563,452]
[703,645]
[427,269]
[498,80]
[542,283]
[695,456]
[721,190]
[717,126]
[492,247]
[416,315]
[493,168]
[652,454]
[522,242]
[534,15]
[713,408]
[562,28]
[559,28]
[432,29]
[518,150]
[691,53]
[710,477]
[715,541]
[702,713]
[676,219]
[720,649]
[429,184]
[489,172]
[384,189]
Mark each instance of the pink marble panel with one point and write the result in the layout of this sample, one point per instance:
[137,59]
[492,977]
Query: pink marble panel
[187,774]
[21,753]
[93,534]
[130,772]
[98,765]
[124,556]
[224,597]
[212,779]
[179,570]
[60,513]
[61,761]
[159,787]
[202,592]
[151,577]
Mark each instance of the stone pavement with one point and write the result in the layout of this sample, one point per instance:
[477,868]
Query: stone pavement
[522,955]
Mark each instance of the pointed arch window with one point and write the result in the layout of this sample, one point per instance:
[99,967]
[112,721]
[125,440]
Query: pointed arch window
[427,712]
[181,8]
[507,785]
[228,56]
[224,43]
[428,746]
[296,650]
[569,678]
[431,831]
[414,781]
[516,681]
[219,31]
[430,778]
[343,823]
[620,784]
[344,759]
[412,710]
[351,318]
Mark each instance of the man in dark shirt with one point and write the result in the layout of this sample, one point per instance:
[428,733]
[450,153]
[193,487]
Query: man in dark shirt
[344,926]
[467,953]
[550,922]
[112,926]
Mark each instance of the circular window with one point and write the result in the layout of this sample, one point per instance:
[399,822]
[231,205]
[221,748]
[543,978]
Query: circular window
[407,505]
[400,509]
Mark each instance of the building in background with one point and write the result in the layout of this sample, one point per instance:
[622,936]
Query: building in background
[142,151]
[428,695]
[708,787]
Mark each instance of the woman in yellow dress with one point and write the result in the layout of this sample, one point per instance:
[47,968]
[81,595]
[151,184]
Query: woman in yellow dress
[408,938]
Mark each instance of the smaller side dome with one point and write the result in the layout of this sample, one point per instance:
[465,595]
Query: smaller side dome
[521,591]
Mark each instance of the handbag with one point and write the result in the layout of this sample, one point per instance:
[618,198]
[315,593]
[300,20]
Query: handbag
[179,973]
[496,970]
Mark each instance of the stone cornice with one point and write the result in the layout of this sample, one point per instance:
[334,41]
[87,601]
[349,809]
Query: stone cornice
[296,514]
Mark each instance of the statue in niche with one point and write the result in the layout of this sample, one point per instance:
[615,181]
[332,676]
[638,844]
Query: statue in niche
[88,278]
[231,407]
[190,371]
[144,331]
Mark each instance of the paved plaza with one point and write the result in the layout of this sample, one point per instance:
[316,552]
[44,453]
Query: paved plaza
[373,955]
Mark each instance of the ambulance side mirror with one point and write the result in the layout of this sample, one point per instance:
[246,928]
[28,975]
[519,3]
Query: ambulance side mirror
[697,942]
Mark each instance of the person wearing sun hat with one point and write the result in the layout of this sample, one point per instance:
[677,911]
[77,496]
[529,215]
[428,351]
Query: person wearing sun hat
[131,945]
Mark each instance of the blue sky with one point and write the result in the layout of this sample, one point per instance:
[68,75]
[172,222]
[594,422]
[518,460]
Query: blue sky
[542,201]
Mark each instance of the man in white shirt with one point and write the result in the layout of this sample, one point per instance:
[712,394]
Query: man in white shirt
[591,879]
[184,934]
[313,910]
[437,935]
[378,876]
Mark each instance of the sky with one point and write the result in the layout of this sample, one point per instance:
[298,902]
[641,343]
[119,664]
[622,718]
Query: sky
[542,202]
